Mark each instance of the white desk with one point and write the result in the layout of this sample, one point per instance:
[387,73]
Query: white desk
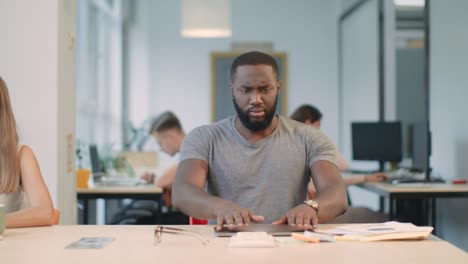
[428,191]
[135,244]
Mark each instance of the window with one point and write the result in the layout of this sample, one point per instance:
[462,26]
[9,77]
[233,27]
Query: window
[99,72]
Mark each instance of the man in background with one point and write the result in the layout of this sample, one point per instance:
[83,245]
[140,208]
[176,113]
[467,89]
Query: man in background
[167,131]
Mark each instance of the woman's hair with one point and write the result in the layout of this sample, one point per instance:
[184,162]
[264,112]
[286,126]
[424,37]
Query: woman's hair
[9,162]
[306,112]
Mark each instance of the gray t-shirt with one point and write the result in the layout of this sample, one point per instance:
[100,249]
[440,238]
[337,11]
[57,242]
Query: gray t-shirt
[270,176]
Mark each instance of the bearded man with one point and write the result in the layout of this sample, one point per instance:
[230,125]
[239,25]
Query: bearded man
[256,166]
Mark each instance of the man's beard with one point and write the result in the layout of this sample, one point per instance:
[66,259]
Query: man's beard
[256,125]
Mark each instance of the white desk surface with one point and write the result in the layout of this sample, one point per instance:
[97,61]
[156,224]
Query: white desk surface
[135,244]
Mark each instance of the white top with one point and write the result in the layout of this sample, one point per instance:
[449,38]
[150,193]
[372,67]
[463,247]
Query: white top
[14,201]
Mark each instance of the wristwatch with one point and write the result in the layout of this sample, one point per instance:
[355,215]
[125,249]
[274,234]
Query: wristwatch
[313,204]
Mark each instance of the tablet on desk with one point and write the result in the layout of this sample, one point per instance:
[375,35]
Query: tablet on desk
[275,230]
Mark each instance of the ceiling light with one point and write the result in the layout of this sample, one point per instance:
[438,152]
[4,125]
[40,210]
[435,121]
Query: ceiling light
[206,19]
[412,3]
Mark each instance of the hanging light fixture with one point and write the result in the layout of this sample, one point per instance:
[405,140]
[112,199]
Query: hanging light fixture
[206,19]
[409,3]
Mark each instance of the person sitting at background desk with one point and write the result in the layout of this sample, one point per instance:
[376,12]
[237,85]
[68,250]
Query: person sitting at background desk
[22,189]
[257,164]
[167,131]
[310,115]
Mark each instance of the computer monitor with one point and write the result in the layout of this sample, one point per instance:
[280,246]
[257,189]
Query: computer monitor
[95,163]
[377,141]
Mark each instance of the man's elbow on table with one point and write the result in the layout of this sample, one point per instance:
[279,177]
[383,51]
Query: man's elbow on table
[177,195]
[345,207]
[344,204]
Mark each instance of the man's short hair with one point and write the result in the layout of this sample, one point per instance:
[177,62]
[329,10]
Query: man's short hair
[253,58]
[165,121]
[306,112]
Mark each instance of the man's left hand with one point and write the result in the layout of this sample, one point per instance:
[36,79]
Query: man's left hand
[302,216]
[148,177]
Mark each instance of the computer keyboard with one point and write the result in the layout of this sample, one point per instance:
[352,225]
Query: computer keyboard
[404,179]
[403,175]
[412,179]
[361,171]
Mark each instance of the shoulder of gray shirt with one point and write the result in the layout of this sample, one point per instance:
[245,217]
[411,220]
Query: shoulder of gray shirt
[205,133]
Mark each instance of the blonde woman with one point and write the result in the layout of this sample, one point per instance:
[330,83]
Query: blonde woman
[22,189]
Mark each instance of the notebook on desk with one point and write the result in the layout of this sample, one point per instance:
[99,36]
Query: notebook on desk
[120,181]
[275,230]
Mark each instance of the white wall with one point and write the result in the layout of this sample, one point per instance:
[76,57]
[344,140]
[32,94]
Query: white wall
[37,62]
[360,70]
[139,24]
[346,4]
[306,30]
[448,110]
[359,73]
[390,61]
[359,85]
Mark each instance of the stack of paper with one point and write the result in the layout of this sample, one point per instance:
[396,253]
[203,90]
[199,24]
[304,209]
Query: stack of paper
[252,239]
[378,232]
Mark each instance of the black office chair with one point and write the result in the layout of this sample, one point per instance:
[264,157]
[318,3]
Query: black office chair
[147,212]
[138,212]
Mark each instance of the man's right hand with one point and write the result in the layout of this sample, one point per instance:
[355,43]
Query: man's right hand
[232,215]
[375,177]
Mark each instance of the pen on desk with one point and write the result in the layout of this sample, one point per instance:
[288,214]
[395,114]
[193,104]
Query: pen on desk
[321,237]
[304,238]
[313,237]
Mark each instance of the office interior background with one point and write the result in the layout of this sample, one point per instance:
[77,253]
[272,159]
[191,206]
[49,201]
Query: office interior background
[91,70]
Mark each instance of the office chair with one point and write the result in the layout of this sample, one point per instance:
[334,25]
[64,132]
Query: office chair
[138,212]
[196,221]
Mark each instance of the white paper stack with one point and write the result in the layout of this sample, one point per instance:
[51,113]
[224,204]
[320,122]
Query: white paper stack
[378,232]
[252,239]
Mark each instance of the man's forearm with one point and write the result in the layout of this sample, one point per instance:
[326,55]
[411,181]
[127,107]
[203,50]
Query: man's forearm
[355,179]
[332,202]
[331,190]
[195,202]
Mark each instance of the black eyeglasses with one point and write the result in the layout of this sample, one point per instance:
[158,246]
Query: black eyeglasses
[159,230]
